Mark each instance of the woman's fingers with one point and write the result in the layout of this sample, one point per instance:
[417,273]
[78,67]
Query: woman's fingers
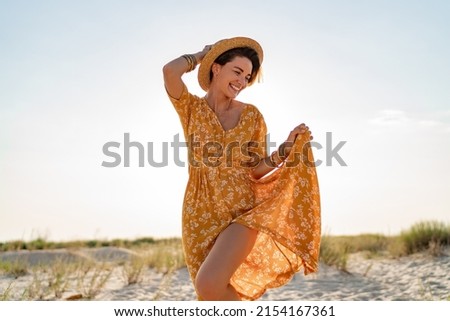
[289,143]
[300,129]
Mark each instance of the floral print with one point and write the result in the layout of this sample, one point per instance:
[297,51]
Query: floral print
[284,206]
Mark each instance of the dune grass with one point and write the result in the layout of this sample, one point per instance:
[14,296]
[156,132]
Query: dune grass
[41,243]
[165,256]
[86,277]
[427,235]
[15,268]
[430,236]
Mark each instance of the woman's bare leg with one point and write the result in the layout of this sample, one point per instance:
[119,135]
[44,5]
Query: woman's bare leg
[228,252]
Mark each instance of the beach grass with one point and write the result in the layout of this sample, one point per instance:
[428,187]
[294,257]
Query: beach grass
[430,236]
[87,276]
[41,243]
[14,268]
[425,235]
[165,253]
[165,256]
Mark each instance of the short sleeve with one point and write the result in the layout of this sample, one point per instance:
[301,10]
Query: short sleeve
[256,148]
[183,106]
[260,135]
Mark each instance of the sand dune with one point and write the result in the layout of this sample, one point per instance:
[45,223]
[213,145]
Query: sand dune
[416,277]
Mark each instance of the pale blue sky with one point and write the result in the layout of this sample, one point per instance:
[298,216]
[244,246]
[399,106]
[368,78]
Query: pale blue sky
[77,74]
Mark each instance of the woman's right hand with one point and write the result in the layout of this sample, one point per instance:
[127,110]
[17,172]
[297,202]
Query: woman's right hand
[174,70]
[199,55]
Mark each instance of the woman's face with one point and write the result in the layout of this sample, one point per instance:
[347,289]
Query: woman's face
[232,77]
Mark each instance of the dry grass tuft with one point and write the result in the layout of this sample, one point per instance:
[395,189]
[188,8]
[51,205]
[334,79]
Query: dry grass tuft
[429,236]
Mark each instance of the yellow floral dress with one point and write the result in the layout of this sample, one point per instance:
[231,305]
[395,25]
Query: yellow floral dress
[284,206]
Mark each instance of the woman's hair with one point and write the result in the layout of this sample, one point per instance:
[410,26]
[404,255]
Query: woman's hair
[246,52]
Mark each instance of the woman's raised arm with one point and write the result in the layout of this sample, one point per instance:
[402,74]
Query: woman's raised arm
[176,68]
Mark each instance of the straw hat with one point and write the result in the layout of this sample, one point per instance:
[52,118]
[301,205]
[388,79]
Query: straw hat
[219,48]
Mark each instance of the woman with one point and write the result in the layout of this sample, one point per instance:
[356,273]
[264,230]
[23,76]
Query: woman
[243,231]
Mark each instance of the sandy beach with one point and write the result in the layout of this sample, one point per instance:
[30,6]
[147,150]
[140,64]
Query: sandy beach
[415,277]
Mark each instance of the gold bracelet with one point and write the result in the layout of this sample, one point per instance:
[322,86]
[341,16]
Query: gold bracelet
[272,161]
[194,61]
[191,60]
[282,155]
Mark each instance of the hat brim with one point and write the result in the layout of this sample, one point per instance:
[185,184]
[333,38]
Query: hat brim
[219,48]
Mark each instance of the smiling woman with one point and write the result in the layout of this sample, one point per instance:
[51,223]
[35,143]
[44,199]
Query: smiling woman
[248,225]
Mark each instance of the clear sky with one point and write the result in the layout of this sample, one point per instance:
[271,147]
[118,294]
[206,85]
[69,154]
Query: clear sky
[75,75]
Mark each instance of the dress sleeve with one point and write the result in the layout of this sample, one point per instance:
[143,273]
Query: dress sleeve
[257,146]
[183,107]
[259,136]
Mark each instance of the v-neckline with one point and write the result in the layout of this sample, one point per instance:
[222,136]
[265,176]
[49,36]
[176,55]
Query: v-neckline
[218,120]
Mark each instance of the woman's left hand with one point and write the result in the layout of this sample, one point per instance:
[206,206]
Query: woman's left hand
[301,129]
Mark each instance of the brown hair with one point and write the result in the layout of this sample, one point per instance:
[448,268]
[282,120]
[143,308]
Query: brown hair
[246,52]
